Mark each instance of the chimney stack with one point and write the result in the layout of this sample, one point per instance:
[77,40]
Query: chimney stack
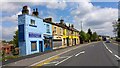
[25,10]
[48,20]
[61,21]
[35,12]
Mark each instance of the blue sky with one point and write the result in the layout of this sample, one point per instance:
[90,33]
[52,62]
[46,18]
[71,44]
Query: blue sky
[95,15]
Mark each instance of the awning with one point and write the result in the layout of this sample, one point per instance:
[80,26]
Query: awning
[47,36]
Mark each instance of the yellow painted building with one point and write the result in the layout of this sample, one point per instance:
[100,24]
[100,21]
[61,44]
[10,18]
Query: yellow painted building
[64,35]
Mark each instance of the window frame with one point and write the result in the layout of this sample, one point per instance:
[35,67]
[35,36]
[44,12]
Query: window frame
[35,46]
[47,28]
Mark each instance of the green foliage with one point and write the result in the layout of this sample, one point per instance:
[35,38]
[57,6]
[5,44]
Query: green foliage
[116,26]
[87,37]
[94,36]
[83,35]
[15,39]
[9,57]
[90,33]
[15,43]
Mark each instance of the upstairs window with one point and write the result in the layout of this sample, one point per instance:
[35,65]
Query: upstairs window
[32,23]
[60,31]
[48,28]
[55,30]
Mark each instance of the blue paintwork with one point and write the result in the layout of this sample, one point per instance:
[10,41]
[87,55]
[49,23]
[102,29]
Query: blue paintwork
[38,29]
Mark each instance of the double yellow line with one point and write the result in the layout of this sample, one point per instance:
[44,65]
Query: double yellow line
[45,62]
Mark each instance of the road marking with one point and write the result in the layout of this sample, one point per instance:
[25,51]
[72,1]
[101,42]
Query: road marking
[63,57]
[116,44]
[63,60]
[60,54]
[47,61]
[107,48]
[111,51]
[117,57]
[82,52]
[51,62]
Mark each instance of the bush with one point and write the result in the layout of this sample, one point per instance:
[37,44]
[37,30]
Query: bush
[9,57]
[118,39]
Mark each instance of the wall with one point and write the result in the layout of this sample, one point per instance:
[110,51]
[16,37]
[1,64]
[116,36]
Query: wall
[39,28]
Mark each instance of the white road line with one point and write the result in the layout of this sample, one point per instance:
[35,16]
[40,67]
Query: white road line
[117,57]
[111,51]
[107,48]
[63,60]
[82,52]
[63,57]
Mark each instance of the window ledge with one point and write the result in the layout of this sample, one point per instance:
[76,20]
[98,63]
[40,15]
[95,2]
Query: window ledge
[32,25]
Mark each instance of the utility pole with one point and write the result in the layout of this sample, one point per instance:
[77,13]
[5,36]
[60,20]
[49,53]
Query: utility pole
[81,25]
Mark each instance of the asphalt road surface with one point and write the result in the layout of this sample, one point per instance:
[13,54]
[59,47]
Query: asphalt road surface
[92,54]
[97,54]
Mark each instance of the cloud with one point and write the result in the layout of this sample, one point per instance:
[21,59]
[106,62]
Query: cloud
[94,17]
[52,4]
[8,32]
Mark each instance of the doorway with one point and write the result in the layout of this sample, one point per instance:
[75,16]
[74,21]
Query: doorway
[40,46]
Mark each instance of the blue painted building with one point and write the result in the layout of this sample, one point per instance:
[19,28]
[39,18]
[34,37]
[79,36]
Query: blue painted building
[35,35]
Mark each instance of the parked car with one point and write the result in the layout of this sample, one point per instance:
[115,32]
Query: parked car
[107,41]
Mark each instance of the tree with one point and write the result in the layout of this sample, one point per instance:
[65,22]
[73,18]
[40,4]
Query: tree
[90,33]
[94,36]
[4,41]
[115,27]
[82,36]
[15,43]
[15,39]
[118,28]
[87,37]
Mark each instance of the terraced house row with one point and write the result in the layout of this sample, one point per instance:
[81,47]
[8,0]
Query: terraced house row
[39,35]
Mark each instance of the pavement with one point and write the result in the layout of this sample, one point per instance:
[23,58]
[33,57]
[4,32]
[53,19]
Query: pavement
[91,54]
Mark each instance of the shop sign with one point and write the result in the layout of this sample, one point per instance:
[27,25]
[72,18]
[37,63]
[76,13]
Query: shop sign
[34,35]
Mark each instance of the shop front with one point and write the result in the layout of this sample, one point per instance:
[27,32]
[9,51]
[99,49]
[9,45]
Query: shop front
[48,45]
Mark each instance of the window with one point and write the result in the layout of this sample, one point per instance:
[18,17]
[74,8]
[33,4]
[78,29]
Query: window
[63,31]
[33,45]
[64,41]
[55,30]
[32,22]
[47,43]
[48,28]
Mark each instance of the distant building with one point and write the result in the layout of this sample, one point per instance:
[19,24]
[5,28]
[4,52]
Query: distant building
[7,48]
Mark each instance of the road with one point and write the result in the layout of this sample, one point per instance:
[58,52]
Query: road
[92,54]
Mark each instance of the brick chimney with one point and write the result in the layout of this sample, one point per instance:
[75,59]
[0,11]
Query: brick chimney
[61,21]
[35,12]
[25,10]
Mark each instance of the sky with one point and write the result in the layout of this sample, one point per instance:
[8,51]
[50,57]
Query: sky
[98,16]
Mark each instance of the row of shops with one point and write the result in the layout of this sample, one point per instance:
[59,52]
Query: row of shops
[39,35]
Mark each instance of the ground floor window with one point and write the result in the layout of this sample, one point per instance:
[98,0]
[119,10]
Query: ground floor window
[64,41]
[48,43]
[33,45]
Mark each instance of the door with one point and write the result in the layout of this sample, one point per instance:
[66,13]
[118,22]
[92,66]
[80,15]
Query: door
[40,46]
[67,41]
